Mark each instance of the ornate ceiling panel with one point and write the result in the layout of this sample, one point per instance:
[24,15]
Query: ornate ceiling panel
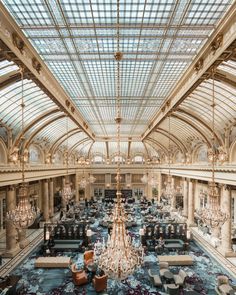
[77,40]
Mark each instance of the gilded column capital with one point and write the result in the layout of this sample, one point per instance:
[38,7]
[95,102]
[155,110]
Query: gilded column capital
[11,187]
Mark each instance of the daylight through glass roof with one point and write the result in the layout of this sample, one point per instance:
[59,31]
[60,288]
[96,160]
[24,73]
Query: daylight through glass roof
[78,39]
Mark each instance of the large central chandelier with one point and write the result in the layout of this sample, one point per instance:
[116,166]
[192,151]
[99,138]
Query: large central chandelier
[212,215]
[24,214]
[119,257]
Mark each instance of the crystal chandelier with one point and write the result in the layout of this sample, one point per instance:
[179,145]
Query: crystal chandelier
[83,182]
[169,188]
[153,182]
[169,191]
[24,214]
[66,190]
[144,179]
[119,257]
[212,215]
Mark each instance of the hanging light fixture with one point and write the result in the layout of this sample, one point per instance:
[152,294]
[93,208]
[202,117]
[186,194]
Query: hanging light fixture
[212,215]
[24,214]
[169,191]
[66,190]
[119,257]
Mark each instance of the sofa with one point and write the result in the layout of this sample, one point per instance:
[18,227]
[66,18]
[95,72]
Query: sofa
[176,259]
[66,245]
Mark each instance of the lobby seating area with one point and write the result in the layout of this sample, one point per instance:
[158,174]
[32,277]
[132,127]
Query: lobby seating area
[62,236]
[171,273]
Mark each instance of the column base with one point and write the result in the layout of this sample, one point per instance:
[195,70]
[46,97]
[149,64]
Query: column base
[11,253]
[191,224]
[24,243]
[227,252]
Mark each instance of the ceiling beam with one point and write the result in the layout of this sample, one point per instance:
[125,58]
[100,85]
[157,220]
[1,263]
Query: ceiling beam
[9,78]
[123,26]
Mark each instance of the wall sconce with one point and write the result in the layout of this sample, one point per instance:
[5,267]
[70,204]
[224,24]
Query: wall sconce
[26,155]
[14,155]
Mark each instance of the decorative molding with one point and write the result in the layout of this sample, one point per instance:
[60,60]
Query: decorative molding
[199,65]
[217,43]
[18,42]
[36,65]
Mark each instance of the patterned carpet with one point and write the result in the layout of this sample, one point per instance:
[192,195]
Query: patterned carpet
[41,281]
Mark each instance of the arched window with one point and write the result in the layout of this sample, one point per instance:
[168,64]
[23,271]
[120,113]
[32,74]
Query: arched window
[138,159]
[201,155]
[97,159]
[35,156]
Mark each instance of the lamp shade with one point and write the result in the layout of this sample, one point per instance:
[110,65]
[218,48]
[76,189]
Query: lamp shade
[89,233]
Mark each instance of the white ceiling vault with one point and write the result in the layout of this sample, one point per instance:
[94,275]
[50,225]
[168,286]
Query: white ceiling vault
[159,40]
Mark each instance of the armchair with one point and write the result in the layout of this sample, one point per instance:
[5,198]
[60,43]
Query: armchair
[79,276]
[164,266]
[100,283]
[88,257]
[180,278]
[223,285]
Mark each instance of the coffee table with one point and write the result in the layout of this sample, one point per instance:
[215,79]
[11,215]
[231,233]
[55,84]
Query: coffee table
[169,277]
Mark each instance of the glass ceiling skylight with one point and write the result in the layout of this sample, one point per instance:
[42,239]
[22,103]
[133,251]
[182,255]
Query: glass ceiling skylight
[77,40]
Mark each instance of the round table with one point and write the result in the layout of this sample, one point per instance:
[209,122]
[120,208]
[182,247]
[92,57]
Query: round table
[169,277]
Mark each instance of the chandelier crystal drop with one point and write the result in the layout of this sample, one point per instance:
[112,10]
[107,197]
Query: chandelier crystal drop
[24,214]
[91,178]
[144,179]
[153,182]
[119,257]
[212,215]
[169,192]
[83,182]
[67,192]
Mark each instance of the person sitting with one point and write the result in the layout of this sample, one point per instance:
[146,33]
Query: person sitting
[161,241]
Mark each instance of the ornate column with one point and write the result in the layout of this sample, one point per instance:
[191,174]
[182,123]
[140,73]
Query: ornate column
[226,245]
[12,246]
[190,203]
[76,188]
[45,200]
[185,196]
[173,201]
[87,190]
[63,203]
[159,186]
[51,197]
[40,200]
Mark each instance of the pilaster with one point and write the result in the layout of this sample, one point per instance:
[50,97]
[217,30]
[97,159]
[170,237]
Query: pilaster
[12,246]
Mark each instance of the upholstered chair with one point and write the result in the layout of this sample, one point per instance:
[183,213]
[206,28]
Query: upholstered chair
[79,276]
[223,285]
[164,266]
[100,283]
[88,257]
